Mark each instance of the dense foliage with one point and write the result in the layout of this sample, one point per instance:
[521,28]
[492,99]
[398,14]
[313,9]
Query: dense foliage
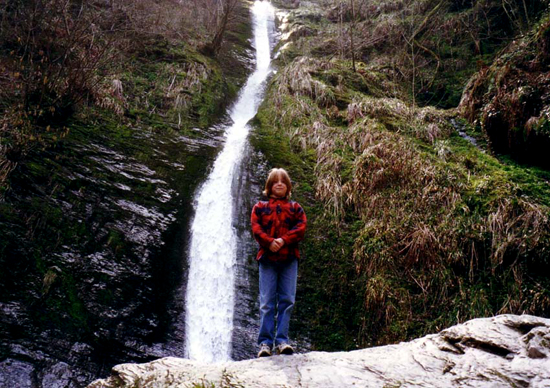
[413,227]
[58,58]
[510,100]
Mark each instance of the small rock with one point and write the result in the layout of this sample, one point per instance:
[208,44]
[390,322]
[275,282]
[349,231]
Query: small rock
[535,352]
[14,373]
[58,376]
[538,342]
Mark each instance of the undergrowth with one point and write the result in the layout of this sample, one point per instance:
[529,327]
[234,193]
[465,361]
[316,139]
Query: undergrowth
[411,227]
[139,60]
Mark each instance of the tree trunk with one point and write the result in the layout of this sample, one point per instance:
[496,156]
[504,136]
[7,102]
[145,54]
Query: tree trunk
[213,48]
[352,28]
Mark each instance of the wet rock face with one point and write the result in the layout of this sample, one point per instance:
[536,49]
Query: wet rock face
[93,249]
[507,350]
[15,373]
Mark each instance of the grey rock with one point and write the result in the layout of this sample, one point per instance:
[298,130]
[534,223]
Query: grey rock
[14,373]
[298,31]
[538,343]
[484,352]
[58,376]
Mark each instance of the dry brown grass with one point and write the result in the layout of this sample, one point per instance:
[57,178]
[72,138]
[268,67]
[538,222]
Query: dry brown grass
[328,171]
[422,245]
[428,123]
[440,232]
[409,201]
[380,298]
[183,82]
[517,226]
[415,226]
[378,107]
[296,80]
[110,95]
[393,184]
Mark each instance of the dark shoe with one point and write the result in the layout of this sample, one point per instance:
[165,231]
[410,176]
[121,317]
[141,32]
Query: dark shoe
[285,349]
[265,351]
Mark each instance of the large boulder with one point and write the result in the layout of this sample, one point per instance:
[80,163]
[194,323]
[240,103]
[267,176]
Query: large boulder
[507,350]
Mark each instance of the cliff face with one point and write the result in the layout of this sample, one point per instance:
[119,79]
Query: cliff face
[507,350]
[94,225]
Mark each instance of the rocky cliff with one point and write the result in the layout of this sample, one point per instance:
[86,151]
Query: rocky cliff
[94,223]
[506,350]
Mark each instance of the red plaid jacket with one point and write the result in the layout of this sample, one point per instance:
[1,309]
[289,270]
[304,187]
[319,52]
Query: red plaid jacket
[278,218]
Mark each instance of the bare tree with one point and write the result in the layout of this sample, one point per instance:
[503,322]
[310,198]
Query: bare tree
[351,32]
[224,11]
[341,32]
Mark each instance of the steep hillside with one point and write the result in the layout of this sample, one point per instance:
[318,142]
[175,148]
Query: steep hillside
[99,160]
[413,227]
[510,100]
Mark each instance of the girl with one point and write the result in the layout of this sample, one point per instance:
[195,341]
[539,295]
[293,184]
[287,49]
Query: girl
[278,225]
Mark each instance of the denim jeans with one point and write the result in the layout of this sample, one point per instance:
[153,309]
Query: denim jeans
[277,295]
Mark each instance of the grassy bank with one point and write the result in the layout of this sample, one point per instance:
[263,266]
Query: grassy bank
[412,228]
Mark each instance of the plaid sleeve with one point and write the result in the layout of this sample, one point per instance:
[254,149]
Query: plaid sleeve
[255,219]
[297,232]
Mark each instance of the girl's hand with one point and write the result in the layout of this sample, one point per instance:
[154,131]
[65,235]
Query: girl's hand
[276,245]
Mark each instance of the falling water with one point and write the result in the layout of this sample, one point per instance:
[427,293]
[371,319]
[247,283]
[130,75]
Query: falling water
[210,286]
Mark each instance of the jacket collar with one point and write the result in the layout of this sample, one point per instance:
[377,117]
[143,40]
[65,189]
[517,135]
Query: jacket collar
[275,199]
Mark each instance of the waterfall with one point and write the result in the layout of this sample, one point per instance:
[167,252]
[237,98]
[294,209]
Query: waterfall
[210,284]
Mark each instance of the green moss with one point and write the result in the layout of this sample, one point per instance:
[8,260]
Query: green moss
[359,285]
[76,308]
[329,300]
[63,310]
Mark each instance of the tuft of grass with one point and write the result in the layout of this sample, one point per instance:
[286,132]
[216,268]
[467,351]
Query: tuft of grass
[296,80]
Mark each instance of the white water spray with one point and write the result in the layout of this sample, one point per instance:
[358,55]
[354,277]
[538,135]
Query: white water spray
[210,285]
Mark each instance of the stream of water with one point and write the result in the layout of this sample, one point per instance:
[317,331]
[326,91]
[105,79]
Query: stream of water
[210,295]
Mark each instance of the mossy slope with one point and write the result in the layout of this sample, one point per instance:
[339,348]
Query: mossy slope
[94,224]
[510,100]
[411,227]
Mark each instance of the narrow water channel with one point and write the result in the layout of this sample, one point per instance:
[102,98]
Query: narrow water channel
[210,294]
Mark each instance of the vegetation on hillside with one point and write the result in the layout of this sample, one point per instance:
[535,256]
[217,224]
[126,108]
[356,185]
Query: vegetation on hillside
[412,227]
[510,100]
[431,47]
[139,61]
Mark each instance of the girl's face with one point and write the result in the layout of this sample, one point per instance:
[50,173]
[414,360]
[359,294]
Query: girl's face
[279,189]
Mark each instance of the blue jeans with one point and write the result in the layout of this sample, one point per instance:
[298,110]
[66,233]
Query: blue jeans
[277,295]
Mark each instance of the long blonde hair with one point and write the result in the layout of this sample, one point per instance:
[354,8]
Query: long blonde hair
[274,175]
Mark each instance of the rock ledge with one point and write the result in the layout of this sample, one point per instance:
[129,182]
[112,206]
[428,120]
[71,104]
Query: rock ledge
[506,350]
